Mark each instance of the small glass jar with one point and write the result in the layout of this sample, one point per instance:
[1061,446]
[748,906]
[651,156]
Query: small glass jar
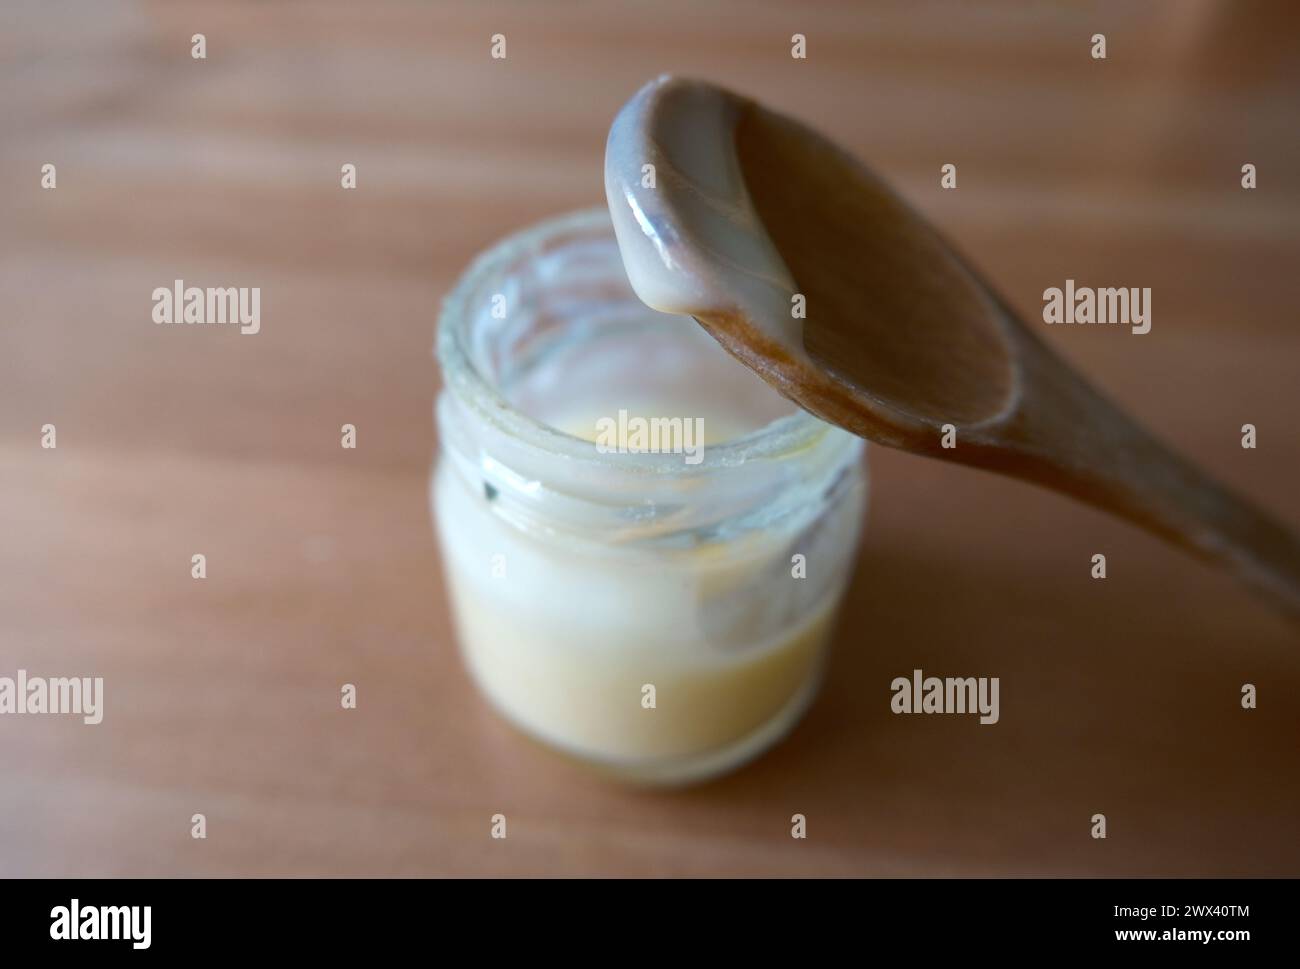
[665,619]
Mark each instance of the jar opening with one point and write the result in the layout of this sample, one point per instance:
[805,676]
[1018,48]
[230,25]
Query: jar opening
[544,338]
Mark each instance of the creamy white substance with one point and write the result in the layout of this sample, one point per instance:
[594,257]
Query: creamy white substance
[691,240]
[566,640]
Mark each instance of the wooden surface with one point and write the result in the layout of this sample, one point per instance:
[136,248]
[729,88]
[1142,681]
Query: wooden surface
[222,696]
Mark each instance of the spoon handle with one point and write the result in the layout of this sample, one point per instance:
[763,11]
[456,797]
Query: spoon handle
[1068,436]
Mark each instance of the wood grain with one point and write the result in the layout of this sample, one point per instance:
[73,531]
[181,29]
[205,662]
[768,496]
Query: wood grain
[1119,697]
[905,340]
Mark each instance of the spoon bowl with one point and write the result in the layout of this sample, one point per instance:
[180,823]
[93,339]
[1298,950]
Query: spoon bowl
[809,269]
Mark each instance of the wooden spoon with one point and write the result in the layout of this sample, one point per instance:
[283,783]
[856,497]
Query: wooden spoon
[729,212]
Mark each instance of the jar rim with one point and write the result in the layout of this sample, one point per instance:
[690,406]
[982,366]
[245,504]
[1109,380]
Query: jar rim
[787,435]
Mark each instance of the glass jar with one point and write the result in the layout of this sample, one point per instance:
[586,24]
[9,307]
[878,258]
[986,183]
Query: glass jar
[664,616]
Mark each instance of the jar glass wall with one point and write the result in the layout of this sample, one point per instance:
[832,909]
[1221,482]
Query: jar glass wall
[662,615]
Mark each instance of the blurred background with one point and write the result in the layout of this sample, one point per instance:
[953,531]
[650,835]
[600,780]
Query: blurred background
[222,696]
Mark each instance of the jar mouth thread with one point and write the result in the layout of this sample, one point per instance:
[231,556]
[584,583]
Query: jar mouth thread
[785,435]
[539,478]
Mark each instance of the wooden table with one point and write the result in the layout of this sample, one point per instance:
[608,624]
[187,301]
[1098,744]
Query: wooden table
[222,695]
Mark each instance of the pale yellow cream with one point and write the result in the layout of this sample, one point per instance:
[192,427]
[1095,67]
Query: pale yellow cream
[565,640]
